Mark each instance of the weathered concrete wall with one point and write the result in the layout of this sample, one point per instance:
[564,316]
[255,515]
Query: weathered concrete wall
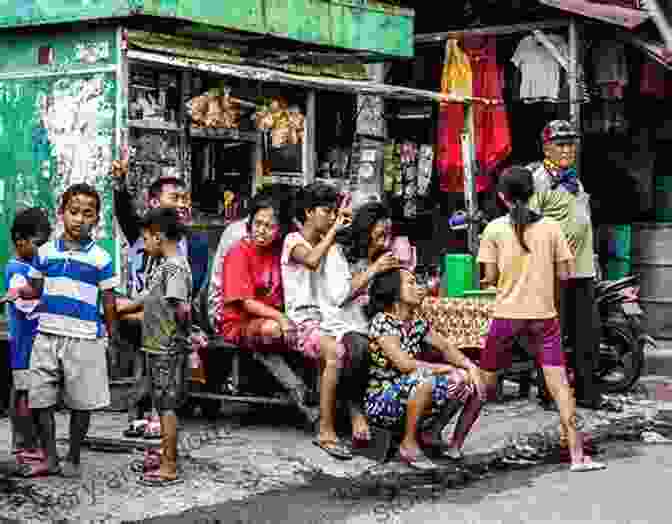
[58,122]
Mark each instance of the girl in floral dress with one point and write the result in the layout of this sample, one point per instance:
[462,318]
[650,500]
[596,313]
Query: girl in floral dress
[401,388]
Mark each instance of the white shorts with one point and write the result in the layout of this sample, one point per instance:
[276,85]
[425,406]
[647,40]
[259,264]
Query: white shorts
[75,365]
[21,379]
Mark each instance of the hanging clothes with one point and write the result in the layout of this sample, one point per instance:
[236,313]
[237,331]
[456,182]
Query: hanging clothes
[540,71]
[408,152]
[492,133]
[456,80]
[611,69]
[491,123]
[425,162]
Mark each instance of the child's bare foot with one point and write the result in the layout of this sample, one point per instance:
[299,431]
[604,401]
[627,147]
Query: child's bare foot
[360,428]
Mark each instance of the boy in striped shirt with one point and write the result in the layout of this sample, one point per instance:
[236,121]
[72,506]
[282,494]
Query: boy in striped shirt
[69,351]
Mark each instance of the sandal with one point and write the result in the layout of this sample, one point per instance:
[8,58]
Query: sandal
[158,482]
[587,466]
[335,448]
[361,439]
[29,456]
[136,429]
[417,460]
[29,471]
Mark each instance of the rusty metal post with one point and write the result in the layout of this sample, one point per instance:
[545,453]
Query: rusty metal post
[575,95]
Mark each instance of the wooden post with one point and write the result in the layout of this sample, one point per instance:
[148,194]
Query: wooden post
[184,123]
[575,96]
[309,152]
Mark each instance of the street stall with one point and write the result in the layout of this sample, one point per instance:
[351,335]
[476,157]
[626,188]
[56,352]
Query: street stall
[169,88]
[365,162]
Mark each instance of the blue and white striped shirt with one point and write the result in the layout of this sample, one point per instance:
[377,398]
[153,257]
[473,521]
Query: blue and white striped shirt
[22,317]
[73,281]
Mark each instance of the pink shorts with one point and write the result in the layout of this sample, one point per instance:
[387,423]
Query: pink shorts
[542,338]
[307,339]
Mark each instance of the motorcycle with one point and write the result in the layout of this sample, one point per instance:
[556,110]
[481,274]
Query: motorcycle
[623,341]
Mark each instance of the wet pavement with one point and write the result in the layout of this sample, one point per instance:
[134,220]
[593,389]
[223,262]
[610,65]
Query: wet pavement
[633,489]
[257,467]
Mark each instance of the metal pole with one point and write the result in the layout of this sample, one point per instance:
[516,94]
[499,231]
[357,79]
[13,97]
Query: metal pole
[468,158]
[308,151]
[661,21]
[575,96]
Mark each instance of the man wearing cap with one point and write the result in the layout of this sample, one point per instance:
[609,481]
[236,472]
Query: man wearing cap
[560,195]
[165,192]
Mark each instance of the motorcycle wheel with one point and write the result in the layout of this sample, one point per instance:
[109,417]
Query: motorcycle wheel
[621,359]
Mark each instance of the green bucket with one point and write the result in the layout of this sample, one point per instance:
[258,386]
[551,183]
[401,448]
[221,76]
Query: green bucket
[618,268]
[458,275]
[623,241]
[663,198]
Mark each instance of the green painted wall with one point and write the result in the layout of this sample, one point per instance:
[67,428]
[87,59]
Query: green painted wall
[15,13]
[57,124]
[353,24]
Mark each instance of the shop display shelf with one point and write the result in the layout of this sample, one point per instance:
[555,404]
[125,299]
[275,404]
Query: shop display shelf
[153,125]
[225,134]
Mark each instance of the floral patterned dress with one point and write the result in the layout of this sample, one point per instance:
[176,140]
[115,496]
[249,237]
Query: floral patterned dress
[389,389]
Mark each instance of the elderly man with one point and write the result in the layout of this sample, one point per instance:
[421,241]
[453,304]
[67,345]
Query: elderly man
[559,194]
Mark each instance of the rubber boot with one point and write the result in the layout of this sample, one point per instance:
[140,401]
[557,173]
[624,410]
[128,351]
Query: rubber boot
[168,468]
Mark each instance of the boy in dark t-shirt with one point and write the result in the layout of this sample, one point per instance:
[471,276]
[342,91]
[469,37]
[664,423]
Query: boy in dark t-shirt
[166,328]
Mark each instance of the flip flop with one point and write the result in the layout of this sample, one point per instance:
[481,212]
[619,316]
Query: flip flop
[135,431]
[417,460]
[334,448]
[30,471]
[361,439]
[587,466]
[29,456]
[154,481]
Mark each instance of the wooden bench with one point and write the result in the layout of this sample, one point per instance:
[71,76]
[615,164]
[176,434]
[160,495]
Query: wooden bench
[231,388]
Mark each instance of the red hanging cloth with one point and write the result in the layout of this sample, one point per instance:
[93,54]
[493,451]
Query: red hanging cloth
[492,134]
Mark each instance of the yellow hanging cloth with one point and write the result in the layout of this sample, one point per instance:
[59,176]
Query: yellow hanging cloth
[457,74]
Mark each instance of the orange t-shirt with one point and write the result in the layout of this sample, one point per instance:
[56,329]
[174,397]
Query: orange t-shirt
[526,284]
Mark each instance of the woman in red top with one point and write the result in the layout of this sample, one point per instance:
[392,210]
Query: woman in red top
[252,315]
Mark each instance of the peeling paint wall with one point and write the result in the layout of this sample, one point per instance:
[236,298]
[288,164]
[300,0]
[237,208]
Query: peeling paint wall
[57,124]
[78,117]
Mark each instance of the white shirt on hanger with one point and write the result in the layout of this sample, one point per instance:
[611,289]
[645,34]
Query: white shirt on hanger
[539,69]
